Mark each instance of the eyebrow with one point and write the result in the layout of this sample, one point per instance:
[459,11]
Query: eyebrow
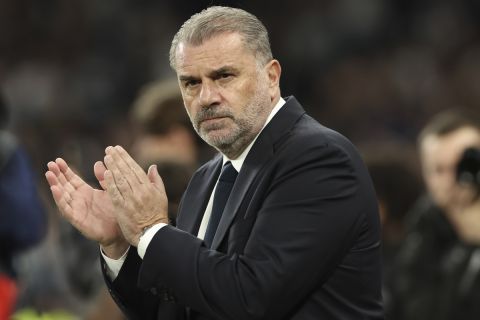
[212,74]
[222,70]
[186,78]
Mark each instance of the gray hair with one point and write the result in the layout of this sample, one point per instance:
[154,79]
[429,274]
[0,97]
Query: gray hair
[217,20]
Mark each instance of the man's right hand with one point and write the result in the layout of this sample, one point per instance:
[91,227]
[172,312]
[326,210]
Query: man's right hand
[87,209]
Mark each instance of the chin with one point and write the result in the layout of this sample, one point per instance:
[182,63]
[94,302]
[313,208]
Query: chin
[220,141]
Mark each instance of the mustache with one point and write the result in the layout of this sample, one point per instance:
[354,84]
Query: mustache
[210,113]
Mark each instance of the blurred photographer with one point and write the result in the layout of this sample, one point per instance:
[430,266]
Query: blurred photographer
[437,270]
[22,219]
[443,145]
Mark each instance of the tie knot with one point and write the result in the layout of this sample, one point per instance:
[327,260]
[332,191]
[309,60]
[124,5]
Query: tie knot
[229,174]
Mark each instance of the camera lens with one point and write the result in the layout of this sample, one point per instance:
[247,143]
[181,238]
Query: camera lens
[468,169]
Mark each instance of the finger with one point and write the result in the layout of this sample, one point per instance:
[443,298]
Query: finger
[99,171]
[58,191]
[56,178]
[61,197]
[112,188]
[52,166]
[122,172]
[69,183]
[119,179]
[51,178]
[70,176]
[132,164]
[123,168]
[155,178]
[61,180]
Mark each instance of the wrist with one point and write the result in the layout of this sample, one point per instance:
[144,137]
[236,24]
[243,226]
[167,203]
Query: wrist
[149,226]
[116,249]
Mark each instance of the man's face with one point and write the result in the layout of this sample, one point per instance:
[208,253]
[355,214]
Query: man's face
[227,95]
[440,156]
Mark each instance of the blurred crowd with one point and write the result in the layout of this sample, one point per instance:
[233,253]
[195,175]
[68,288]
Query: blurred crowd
[398,78]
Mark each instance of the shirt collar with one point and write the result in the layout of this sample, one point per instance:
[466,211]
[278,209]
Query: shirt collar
[238,163]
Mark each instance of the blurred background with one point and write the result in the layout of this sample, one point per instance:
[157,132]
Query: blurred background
[73,74]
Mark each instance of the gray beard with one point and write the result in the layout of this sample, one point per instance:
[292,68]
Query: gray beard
[244,130]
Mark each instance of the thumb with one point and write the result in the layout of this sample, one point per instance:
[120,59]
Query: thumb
[99,171]
[155,178]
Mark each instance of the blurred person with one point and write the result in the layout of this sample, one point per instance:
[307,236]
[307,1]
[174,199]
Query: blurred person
[57,275]
[398,186]
[164,130]
[22,218]
[392,168]
[437,271]
[164,137]
[298,237]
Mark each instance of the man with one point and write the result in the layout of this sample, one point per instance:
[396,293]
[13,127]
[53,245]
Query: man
[437,272]
[299,234]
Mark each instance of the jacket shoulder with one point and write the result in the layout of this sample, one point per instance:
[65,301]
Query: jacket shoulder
[309,136]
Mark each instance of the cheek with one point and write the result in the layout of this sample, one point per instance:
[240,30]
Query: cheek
[431,183]
[442,183]
[243,92]
[189,108]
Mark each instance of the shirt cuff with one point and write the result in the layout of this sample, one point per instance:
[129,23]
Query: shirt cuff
[147,237]
[114,265]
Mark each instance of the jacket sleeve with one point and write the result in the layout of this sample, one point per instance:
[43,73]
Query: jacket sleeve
[136,303]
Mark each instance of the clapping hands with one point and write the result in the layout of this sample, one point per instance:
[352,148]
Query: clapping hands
[116,215]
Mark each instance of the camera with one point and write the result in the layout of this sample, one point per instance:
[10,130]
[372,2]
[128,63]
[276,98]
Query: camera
[468,168]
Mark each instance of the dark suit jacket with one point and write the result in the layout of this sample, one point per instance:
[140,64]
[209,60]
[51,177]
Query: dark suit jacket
[299,237]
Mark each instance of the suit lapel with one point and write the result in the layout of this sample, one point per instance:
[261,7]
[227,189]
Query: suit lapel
[197,196]
[260,154]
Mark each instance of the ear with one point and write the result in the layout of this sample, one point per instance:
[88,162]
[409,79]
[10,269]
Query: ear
[273,70]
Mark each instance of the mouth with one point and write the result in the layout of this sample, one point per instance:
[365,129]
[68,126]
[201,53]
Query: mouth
[213,119]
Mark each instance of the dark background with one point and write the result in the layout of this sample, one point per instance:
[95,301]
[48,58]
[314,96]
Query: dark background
[375,70]
[372,69]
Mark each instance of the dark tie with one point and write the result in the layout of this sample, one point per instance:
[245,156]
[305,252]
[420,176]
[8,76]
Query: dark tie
[222,192]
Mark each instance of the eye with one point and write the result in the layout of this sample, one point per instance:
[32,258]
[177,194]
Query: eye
[190,83]
[225,76]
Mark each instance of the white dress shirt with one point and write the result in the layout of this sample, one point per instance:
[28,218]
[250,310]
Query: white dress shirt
[114,265]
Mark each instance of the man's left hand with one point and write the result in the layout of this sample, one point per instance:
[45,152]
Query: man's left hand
[139,199]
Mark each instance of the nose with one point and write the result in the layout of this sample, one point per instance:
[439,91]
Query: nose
[209,94]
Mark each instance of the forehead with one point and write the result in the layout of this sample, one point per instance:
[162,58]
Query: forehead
[450,147]
[219,51]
